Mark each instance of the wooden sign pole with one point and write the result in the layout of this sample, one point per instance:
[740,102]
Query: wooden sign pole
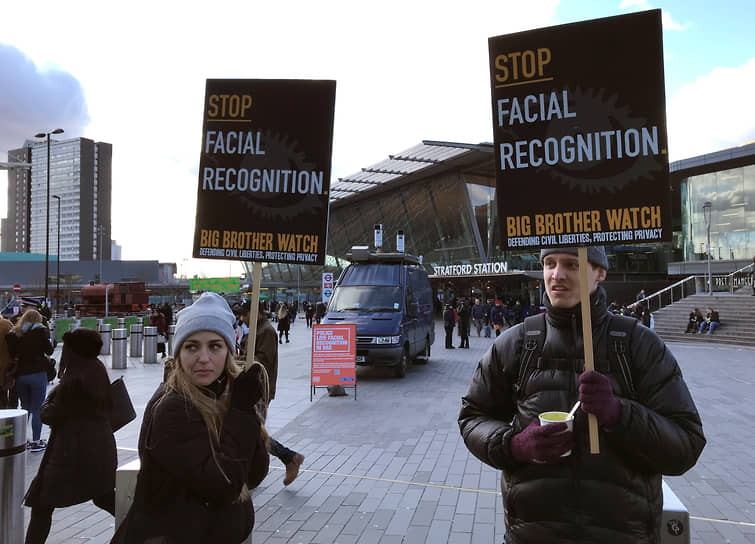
[253,313]
[584,295]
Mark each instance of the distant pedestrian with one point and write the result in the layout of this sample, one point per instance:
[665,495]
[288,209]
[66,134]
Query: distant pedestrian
[80,461]
[640,295]
[478,316]
[465,323]
[157,319]
[284,322]
[320,308]
[309,313]
[497,316]
[449,322]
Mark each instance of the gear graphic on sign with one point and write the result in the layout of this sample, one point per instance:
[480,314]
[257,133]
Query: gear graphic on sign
[596,113]
[281,153]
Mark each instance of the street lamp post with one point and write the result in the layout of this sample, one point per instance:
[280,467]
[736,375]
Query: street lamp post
[47,231]
[57,274]
[706,214]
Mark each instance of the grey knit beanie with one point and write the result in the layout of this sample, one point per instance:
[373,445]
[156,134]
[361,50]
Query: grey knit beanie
[595,254]
[209,313]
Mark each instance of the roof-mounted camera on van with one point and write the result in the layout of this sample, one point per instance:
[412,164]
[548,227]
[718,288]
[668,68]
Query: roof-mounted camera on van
[361,254]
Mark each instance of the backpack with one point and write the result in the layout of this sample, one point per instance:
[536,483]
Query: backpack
[619,330]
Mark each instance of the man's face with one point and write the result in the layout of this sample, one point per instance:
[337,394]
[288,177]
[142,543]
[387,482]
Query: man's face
[561,275]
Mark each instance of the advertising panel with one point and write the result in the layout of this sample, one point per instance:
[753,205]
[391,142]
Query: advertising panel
[264,170]
[580,134]
[334,349]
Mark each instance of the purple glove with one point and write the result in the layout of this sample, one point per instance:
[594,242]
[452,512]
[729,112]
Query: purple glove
[597,398]
[542,444]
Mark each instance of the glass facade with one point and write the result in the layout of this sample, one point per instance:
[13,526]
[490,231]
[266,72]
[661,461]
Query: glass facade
[732,218]
[449,217]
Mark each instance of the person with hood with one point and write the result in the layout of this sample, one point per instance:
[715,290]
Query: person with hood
[554,489]
[202,446]
[80,460]
[29,344]
[449,322]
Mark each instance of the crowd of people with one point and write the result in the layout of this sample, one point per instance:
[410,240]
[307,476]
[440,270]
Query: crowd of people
[494,314]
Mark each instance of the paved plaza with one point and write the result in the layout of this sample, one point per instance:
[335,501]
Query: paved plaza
[390,467]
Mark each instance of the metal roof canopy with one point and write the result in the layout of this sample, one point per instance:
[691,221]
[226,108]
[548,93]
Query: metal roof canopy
[411,161]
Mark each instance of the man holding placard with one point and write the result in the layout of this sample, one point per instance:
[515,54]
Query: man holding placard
[554,488]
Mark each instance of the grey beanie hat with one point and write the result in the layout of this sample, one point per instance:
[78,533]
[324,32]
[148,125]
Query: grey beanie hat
[595,254]
[209,313]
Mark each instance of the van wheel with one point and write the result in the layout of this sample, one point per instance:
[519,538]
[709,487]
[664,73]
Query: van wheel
[400,369]
[424,357]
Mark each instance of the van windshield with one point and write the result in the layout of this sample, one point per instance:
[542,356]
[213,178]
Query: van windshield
[366,298]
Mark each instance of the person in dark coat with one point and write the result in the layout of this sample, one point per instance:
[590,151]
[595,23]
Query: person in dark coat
[465,323]
[694,321]
[549,494]
[202,446]
[29,344]
[157,319]
[7,381]
[284,322]
[266,353]
[449,322]
[80,460]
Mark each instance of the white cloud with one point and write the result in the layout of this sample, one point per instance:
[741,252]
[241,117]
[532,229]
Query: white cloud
[644,5]
[713,113]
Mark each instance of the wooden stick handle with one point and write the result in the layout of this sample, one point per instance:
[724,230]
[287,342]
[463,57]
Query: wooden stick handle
[253,313]
[584,296]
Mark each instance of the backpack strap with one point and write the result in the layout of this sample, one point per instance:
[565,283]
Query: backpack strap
[533,338]
[619,332]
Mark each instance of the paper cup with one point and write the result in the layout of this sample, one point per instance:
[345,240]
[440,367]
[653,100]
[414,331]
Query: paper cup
[546,418]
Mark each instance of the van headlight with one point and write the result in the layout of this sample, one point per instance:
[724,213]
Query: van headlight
[387,339]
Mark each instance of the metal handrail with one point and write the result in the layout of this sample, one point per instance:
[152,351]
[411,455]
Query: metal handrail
[740,274]
[669,289]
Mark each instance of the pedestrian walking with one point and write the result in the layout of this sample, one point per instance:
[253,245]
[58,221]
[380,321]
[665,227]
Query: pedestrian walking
[80,460]
[284,322]
[465,323]
[554,489]
[202,446]
[29,345]
[478,316]
[266,352]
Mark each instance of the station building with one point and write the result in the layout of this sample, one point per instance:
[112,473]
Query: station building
[443,197]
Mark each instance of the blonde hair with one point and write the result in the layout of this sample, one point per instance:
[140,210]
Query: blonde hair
[29,316]
[212,410]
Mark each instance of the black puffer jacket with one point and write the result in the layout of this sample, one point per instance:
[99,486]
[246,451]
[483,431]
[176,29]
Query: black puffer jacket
[611,497]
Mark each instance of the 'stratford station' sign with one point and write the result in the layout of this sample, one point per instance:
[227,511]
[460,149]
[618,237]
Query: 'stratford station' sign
[479,269]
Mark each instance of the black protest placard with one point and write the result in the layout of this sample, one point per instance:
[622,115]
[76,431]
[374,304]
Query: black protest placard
[579,125]
[264,170]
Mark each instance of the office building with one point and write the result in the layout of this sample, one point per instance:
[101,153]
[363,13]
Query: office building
[80,174]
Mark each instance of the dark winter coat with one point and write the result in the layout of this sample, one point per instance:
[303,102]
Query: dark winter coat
[449,318]
[31,349]
[284,320]
[182,495]
[80,460]
[266,352]
[611,497]
[497,315]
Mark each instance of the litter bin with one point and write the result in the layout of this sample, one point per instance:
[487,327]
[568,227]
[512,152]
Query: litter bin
[105,334]
[120,338]
[136,338]
[150,344]
[171,334]
[12,473]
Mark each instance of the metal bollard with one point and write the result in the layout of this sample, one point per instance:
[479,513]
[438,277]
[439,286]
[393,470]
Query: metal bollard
[75,324]
[105,334]
[120,338]
[121,322]
[136,338]
[12,471]
[150,344]
[171,334]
